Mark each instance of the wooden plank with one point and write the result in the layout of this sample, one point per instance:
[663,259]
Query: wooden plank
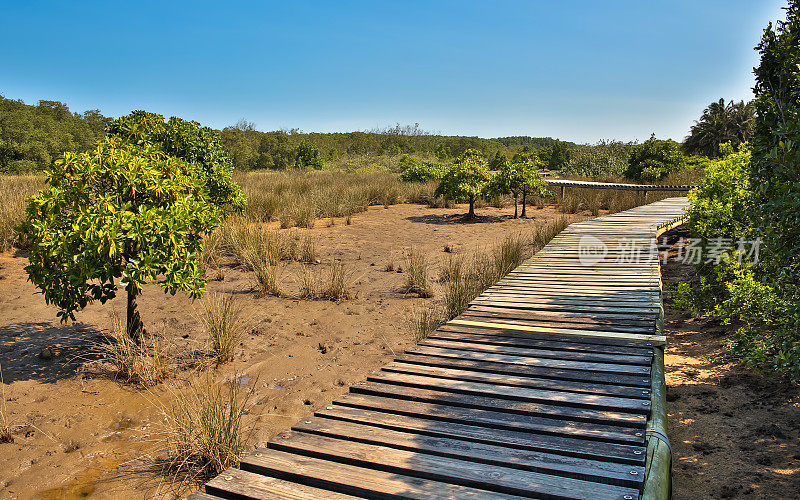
[565,316]
[524,369]
[493,419]
[516,393]
[471,315]
[653,311]
[522,440]
[655,339]
[520,381]
[358,481]
[445,469]
[435,395]
[544,336]
[626,359]
[242,484]
[559,465]
[560,364]
[513,340]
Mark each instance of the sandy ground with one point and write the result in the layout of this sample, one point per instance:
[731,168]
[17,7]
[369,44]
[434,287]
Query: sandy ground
[734,433]
[80,433]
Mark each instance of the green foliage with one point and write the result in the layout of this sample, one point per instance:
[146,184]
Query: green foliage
[560,154]
[720,123]
[466,180]
[604,159]
[723,201]
[308,156]
[417,171]
[519,177]
[654,159]
[759,198]
[119,213]
[31,137]
[188,141]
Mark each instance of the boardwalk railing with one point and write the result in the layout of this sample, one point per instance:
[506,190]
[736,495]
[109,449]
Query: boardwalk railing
[550,385]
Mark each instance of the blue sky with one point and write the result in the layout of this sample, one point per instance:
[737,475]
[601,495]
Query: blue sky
[578,70]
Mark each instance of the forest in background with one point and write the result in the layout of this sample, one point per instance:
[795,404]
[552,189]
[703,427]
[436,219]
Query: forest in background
[32,136]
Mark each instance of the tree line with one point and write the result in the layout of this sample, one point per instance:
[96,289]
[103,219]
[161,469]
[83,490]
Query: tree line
[33,136]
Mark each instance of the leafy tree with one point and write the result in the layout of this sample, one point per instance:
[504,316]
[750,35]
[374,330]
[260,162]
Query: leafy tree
[720,123]
[559,156]
[128,212]
[654,159]
[498,161]
[308,156]
[32,136]
[467,179]
[519,177]
[416,171]
[189,141]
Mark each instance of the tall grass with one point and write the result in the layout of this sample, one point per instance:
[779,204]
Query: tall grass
[14,189]
[144,363]
[203,432]
[417,274]
[424,321]
[296,198]
[224,324]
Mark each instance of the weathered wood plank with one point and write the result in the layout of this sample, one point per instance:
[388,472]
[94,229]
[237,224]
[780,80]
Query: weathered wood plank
[559,465]
[445,469]
[358,481]
[242,484]
[523,440]
[655,339]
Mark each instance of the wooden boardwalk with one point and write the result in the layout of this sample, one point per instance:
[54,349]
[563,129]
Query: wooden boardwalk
[541,389]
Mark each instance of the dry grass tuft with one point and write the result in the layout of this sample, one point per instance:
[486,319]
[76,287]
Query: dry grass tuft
[336,287]
[417,274]
[143,363]
[424,321]
[223,322]
[203,433]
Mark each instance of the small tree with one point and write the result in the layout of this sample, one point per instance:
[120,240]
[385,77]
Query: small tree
[654,159]
[127,213]
[467,179]
[520,177]
[308,156]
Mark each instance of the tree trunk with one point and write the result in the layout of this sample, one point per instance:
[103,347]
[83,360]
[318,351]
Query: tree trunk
[524,193]
[471,213]
[134,321]
[515,205]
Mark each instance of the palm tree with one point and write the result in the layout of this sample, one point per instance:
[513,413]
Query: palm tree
[720,123]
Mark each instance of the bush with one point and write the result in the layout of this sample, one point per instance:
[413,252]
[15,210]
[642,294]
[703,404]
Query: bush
[416,171]
[307,156]
[654,160]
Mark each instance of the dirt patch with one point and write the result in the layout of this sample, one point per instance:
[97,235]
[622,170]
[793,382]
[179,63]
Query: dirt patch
[79,433]
[734,433]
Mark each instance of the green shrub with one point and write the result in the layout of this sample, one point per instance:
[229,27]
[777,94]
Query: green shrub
[416,171]
[654,160]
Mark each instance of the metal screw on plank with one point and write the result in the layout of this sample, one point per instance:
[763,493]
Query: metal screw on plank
[628,497]
[646,403]
[638,434]
[329,407]
[637,452]
[259,454]
[634,473]
[228,478]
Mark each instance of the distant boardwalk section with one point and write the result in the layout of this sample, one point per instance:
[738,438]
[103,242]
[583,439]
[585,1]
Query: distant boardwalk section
[547,386]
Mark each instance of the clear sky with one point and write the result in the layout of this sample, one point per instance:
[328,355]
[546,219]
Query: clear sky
[577,70]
